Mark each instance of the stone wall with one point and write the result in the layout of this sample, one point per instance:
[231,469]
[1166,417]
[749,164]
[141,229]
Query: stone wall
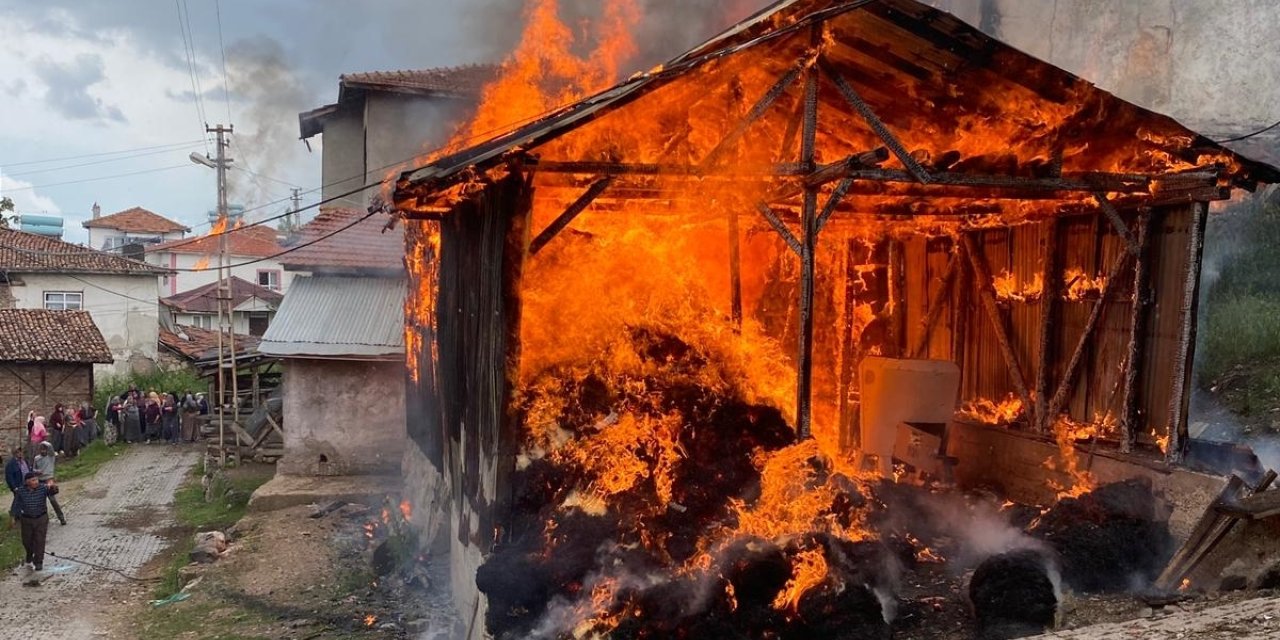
[343,417]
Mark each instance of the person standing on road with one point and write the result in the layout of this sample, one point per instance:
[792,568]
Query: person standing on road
[15,472]
[190,409]
[32,514]
[111,431]
[132,421]
[170,418]
[39,434]
[152,415]
[57,421]
[45,464]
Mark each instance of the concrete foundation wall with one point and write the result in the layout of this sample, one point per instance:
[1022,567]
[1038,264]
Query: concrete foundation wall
[1014,464]
[343,418]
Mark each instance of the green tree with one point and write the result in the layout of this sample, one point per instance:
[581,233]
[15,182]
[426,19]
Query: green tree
[6,206]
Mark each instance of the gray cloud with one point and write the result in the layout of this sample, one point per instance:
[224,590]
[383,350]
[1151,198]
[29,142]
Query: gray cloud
[67,88]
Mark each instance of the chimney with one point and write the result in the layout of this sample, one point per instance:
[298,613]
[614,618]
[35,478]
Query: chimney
[97,211]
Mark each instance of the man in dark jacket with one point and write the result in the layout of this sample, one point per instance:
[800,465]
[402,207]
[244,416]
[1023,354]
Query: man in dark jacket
[31,510]
[14,471]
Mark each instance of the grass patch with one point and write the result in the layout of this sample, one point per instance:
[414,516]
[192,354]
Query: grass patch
[87,463]
[230,494]
[11,552]
[1242,330]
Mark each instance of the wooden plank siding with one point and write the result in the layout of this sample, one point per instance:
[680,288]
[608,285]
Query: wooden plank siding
[38,386]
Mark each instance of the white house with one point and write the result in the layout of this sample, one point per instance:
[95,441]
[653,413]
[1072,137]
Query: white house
[39,272]
[252,307]
[194,261]
[131,226]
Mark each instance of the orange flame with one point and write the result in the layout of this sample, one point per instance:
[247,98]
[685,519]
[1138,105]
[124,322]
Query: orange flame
[1066,433]
[1007,287]
[988,412]
[808,570]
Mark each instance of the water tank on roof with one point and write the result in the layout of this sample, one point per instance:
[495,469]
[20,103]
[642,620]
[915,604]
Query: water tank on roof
[41,225]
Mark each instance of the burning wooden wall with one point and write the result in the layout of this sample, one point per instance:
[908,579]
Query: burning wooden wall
[825,182]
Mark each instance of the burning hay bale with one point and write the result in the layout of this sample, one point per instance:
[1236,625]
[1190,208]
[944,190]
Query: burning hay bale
[1014,595]
[1111,539]
[653,501]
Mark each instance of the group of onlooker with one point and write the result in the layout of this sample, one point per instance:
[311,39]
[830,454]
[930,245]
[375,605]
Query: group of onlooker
[154,417]
[66,432]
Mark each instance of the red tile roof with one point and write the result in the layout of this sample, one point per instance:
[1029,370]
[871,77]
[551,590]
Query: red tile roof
[366,246]
[205,299]
[29,253]
[253,242]
[136,220]
[196,344]
[41,335]
[462,82]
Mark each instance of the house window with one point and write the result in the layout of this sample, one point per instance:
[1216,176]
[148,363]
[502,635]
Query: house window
[202,321]
[63,300]
[269,278]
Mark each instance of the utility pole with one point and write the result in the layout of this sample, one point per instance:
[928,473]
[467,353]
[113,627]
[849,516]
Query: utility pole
[293,213]
[225,322]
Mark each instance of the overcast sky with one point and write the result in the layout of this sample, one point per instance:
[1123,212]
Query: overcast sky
[101,76]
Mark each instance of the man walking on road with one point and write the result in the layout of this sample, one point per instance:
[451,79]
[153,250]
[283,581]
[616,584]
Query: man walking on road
[31,510]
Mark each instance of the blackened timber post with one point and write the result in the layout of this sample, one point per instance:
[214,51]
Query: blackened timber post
[1187,340]
[547,235]
[1048,309]
[1137,335]
[808,249]
[937,301]
[987,297]
[897,298]
[735,269]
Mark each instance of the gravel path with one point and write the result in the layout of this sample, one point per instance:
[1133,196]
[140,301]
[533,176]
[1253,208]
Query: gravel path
[114,520]
[1252,619]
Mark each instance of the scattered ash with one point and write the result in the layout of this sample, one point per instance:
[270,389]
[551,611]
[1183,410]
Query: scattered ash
[1014,595]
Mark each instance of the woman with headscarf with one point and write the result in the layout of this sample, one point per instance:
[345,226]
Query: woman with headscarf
[132,421]
[57,420]
[89,420]
[169,429]
[71,435]
[39,434]
[152,415]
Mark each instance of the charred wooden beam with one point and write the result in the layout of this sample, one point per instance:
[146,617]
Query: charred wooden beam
[737,171]
[792,132]
[1048,309]
[563,220]
[896,319]
[1136,351]
[849,437]
[1123,183]
[735,269]
[1067,383]
[1187,338]
[808,259]
[877,125]
[833,202]
[837,170]
[778,225]
[1117,222]
[759,109]
[987,296]
[937,302]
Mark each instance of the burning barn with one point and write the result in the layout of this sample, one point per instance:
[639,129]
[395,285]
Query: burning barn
[665,339]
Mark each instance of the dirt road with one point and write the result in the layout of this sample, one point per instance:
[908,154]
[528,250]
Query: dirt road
[114,520]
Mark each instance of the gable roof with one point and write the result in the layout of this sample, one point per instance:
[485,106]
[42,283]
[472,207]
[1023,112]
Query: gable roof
[205,299]
[30,253]
[250,242]
[136,220]
[367,246]
[939,84]
[455,82]
[339,317]
[41,335]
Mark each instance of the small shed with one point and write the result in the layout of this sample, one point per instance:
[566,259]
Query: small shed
[828,181]
[340,334]
[46,358]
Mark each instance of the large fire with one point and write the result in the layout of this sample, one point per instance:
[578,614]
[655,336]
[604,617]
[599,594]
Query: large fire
[657,390]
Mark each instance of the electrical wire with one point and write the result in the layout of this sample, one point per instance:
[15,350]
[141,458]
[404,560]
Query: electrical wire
[188,50]
[226,93]
[100,566]
[187,143]
[1249,135]
[111,177]
[97,162]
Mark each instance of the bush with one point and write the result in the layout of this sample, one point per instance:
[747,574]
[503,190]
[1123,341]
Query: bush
[161,381]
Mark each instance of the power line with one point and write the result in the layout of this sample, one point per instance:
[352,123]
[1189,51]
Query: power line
[188,143]
[111,177]
[266,177]
[187,49]
[97,162]
[226,94]
[1249,135]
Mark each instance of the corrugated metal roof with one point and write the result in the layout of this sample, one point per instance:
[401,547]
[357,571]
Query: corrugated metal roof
[339,317]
